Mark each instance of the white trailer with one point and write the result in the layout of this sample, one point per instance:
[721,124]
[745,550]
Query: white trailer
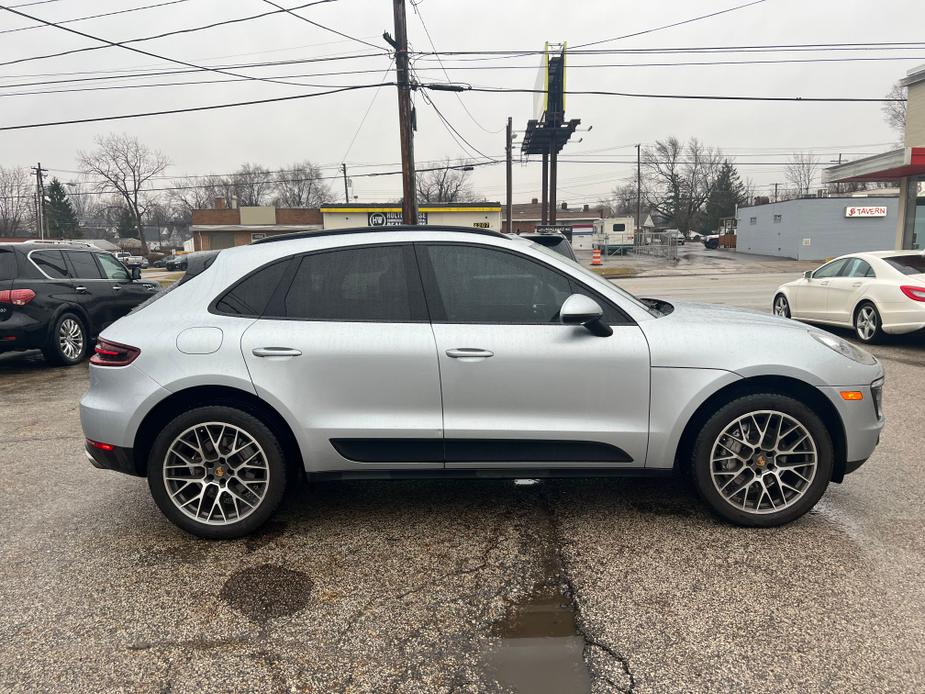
[613,235]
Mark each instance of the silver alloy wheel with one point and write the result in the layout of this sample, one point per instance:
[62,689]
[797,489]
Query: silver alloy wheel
[780,307]
[216,473]
[763,462]
[70,339]
[866,323]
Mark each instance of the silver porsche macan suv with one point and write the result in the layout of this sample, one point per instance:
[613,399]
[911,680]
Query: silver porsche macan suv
[401,352]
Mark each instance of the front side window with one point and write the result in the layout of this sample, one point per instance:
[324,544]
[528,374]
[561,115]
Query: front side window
[371,283]
[830,270]
[113,269]
[85,267]
[474,284]
[51,263]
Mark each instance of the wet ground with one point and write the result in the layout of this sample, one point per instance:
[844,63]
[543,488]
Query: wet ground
[455,586]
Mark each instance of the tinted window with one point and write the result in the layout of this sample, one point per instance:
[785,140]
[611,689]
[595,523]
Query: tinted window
[378,283]
[51,263]
[908,264]
[85,267]
[7,264]
[830,270]
[113,269]
[251,296]
[856,267]
[483,285]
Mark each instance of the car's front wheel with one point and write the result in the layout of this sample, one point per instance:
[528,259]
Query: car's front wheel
[781,306]
[763,460]
[217,472]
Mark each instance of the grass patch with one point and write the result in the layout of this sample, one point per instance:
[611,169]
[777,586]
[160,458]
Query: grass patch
[612,273]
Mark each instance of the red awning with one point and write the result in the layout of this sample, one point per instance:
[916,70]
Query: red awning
[890,166]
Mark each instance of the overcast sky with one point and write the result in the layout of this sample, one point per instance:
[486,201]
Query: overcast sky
[321,129]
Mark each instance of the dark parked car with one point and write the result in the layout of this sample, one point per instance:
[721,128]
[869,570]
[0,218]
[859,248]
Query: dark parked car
[554,241]
[57,297]
[176,262]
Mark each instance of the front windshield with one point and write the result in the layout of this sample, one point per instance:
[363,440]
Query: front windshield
[592,276]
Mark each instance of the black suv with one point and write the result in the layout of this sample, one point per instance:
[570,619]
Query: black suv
[58,296]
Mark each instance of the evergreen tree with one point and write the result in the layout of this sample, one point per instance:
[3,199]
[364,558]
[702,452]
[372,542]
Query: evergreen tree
[62,220]
[728,191]
[126,225]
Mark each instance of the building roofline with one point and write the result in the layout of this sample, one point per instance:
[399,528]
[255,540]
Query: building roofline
[913,76]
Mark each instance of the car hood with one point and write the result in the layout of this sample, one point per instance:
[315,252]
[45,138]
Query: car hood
[708,336]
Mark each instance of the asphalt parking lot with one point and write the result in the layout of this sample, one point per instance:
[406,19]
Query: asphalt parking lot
[559,586]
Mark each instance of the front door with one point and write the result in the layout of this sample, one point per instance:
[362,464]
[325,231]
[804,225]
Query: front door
[844,290]
[124,293]
[344,349]
[519,388]
[812,294]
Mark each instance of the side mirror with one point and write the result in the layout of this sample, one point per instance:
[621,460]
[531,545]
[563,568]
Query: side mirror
[808,275]
[582,310]
[136,272]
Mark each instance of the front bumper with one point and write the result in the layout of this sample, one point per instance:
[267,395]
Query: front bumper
[118,459]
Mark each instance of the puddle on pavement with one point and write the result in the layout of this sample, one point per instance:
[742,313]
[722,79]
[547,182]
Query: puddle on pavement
[537,648]
[267,591]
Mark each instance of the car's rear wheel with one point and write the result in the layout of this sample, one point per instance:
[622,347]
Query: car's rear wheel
[763,460]
[867,323]
[781,306]
[217,472]
[67,341]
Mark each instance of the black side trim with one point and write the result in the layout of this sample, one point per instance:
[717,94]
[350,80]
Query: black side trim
[118,459]
[489,474]
[532,450]
[390,450]
[478,451]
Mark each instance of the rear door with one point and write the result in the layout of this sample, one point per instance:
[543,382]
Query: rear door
[346,350]
[519,388]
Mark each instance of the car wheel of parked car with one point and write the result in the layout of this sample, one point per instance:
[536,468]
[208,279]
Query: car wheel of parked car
[217,472]
[781,306]
[763,460]
[867,323]
[67,342]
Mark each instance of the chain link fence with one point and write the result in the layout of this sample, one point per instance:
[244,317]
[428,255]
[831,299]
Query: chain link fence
[656,243]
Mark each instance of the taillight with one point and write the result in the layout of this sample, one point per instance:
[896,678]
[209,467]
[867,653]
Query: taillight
[100,445]
[17,297]
[113,354]
[914,293]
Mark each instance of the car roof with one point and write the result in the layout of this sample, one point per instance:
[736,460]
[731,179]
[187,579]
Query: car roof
[402,228]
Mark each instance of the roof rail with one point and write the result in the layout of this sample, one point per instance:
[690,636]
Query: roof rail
[366,230]
[60,242]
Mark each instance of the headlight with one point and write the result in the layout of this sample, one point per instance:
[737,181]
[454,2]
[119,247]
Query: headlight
[845,348]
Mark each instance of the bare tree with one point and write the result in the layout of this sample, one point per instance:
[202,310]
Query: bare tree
[198,193]
[17,199]
[253,185]
[302,185]
[802,171]
[124,164]
[679,179]
[894,112]
[448,183]
[85,203]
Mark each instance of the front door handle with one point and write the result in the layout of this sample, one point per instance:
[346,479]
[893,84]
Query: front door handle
[81,290]
[469,352]
[276,352]
[117,287]
[857,284]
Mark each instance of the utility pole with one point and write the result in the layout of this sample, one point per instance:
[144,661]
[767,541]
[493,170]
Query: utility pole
[346,192]
[775,191]
[40,198]
[544,203]
[553,166]
[638,188]
[510,188]
[409,205]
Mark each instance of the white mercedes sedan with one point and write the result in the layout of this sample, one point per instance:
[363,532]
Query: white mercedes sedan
[873,293]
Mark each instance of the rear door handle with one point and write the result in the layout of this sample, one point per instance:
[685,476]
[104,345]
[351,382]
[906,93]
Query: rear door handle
[857,284]
[81,290]
[471,352]
[276,352]
[117,287]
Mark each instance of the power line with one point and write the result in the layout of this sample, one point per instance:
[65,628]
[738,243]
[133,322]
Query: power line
[93,16]
[213,107]
[291,11]
[673,24]
[141,51]
[708,97]
[368,109]
[122,44]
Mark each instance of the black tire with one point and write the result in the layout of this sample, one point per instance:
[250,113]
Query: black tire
[728,414]
[60,354]
[781,307]
[258,431]
[868,326]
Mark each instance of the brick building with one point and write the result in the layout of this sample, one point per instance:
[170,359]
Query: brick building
[223,227]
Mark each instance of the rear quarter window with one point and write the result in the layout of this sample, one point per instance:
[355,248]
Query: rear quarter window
[7,264]
[51,263]
[907,264]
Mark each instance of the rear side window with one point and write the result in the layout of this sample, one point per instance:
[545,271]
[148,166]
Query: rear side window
[858,268]
[250,296]
[908,264]
[373,283]
[7,265]
[51,263]
[85,267]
